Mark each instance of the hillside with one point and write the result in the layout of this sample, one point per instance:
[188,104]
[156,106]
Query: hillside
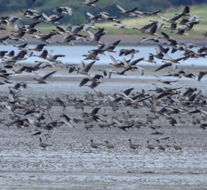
[79,15]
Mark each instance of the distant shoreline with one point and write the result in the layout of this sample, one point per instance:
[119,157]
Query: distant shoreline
[125,40]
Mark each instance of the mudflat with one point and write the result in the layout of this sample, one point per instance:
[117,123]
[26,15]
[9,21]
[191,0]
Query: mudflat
[70,163]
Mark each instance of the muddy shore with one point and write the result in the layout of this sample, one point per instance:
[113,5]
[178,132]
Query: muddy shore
[70,163]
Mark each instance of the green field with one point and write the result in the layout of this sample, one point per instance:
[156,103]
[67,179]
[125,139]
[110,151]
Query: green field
[200,28]
[132,22]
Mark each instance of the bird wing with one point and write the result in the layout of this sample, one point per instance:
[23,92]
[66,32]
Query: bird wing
[121,8]
[88,67]
[177,17]
[83,82]
[46,17]
[95,111]
[163,66]
[69,11]
[114,60]
[201,74]
[127,91]
[47,75]
[56,56]
[94,1]
[136,61]
[147,39]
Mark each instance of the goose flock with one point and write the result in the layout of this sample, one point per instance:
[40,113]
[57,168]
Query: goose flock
[160,104]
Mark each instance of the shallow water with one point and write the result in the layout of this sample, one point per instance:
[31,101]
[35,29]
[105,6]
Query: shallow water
[73,54]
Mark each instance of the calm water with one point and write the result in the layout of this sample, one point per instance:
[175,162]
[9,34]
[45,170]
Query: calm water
[74,54]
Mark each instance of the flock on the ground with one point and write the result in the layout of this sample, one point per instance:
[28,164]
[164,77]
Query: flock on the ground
[166,103]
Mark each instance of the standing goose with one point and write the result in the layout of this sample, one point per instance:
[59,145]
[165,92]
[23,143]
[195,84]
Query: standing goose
[93,145]
[109,145]
[150,146]
[43,145]
[160,146]
[177,147]
[133,146]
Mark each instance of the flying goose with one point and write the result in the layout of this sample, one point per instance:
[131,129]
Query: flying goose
[52,18]
[129,12]
[63,10]
[43,79]
[93,79]
[84,69]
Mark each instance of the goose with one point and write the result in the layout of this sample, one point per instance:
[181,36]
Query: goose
[151,59]
[13,19]
[144,28]
[180,32]
[93,85]
[53,58]
[95,38]
[52,18]
[93,79]
[152,31]
[109,47]
[160,52]
[172,121]
[93,18]
[109,145]
[160,146]
[84,69]
[39,47]
[150,146]
[129,12]
[177,147]
[43,145]
[189,26]
[158,23]
[172,20]
[115,62]
[173,26]
[93,55]
[94,145]
[133,146]
[43,79]
[3,40]
[122,26]
[201,74]
[68,119]
[63,10]
[126,52]
[45,38]
[105,16]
